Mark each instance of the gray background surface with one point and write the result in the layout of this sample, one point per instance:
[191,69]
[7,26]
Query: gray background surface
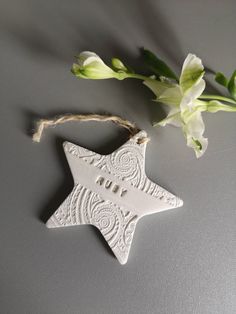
[181,261]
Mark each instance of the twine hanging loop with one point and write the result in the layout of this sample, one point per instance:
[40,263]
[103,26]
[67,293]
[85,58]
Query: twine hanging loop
[46,123]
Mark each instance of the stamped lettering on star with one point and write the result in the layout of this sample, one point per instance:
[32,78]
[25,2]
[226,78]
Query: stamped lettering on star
[111,192]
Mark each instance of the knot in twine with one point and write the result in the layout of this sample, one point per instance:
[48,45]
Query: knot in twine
[45,123]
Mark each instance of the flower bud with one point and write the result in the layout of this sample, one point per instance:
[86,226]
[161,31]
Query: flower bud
[118,65]
[90,65]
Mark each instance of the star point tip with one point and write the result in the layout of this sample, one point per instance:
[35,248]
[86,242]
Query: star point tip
[180,202]
[123,262]
[66,144]
[50,223]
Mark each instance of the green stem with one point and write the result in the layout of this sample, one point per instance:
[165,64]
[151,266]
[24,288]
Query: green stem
[139,76]
[218,97]
[226,108]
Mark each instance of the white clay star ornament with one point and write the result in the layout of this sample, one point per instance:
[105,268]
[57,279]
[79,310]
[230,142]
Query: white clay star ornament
[111,192]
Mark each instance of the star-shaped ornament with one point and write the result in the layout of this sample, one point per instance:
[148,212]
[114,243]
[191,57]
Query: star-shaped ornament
[111,192]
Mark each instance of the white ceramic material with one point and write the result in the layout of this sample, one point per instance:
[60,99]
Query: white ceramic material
[111,192]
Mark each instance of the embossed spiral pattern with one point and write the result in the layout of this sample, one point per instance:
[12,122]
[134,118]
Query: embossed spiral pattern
[86,207]
[125,163]
[108,219]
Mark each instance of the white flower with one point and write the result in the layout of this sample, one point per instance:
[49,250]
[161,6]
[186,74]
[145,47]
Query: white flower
[183,99]
[89,65]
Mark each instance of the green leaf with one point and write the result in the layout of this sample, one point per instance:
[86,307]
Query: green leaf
[221,79]
[159,67]
[232,85]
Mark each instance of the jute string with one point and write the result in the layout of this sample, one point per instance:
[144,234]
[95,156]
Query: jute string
[46,123]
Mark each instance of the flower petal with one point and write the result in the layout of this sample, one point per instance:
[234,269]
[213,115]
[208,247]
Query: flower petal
[193,93]
[199,145]
[87,57]
[171,96]
[193,131]
[192,72]
[195,126]
[98,70]
[172,118]
[157,87]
